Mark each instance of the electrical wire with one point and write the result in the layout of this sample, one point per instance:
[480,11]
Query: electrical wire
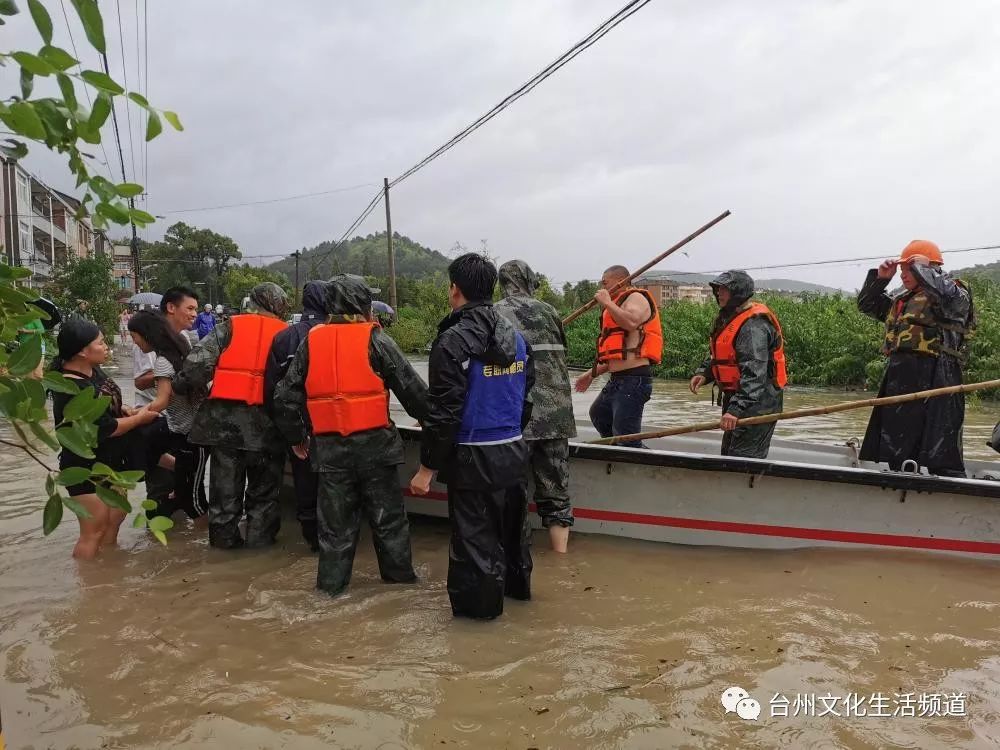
[128,102]
[626,11]
[271,200]
[86,89]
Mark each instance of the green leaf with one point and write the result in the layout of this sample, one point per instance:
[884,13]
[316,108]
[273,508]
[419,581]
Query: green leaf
[102,81]
[153,126]
[116,212]
[173,119]
[161,536]
[33,63]
[128,189]
[8,8]
[26,358]
[53,118]
[102,470]
[57,57]
[140,217]
[73,475]
[93,24]
[105,189]
[16,150]
[59,383]
[131,476]
[112,499]
[35,391]
[78,405]
[52,515]
[148,504]
[139,522]
[67,89]
[42,19]
[70,439]
[27,82]
[50,485]
[160,523]
[77,507]
[44,435]
[139,99]
[24,120]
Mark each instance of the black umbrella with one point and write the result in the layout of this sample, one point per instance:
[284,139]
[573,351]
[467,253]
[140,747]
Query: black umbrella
[50,309]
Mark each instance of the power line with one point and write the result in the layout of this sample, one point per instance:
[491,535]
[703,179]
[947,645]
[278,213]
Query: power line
[271,200]
[86,89]
[592,38]
[372,205]
[128,109]
[138,78]
[829,262]
[145,89]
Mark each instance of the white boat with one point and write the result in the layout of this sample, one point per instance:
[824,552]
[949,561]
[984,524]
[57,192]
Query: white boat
[682,491]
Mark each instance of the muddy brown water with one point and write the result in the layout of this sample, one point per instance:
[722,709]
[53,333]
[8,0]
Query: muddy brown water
[626,644]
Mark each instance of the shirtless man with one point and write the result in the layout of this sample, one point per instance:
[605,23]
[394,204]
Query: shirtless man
[630,343]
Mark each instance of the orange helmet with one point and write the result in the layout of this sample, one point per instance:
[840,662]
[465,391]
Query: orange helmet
[922,247]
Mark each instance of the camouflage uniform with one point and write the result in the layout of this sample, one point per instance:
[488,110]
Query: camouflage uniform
[552,420]
[357,473]
[758,392]
[926,337]
[247,451]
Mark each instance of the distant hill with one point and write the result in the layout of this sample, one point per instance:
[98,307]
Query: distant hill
[983,270]
[365,256]
[773,285]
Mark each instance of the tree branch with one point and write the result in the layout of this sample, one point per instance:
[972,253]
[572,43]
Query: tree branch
[28,450]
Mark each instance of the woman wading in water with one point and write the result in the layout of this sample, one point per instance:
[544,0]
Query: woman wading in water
[82,350]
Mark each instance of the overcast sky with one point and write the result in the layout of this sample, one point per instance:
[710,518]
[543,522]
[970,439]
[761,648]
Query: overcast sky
[830,130]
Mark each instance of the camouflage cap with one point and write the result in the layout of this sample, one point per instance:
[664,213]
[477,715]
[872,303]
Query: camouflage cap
[516,277]
[271,297]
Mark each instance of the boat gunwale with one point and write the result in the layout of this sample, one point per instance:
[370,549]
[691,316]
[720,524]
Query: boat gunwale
[891,480]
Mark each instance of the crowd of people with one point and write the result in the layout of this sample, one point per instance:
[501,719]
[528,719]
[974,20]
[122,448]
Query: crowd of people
[244,394]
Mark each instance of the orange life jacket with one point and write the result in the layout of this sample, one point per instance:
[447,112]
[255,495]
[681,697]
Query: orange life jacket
[344,395]
[611,343]
[725,368]
[239,375]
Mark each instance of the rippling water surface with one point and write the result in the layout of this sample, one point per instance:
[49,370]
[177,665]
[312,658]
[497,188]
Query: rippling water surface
[626,644]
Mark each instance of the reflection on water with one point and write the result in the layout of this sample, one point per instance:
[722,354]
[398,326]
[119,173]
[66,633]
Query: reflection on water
[626,645]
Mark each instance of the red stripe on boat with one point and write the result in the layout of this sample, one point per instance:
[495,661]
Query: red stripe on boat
[759,529]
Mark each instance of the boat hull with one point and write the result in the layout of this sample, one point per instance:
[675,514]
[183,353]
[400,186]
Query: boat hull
[702,499]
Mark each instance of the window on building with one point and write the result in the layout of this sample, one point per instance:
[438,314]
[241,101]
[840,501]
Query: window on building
[23,192]
[24,235]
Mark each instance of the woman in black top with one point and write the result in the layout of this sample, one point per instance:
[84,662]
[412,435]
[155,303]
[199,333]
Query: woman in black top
[81,352]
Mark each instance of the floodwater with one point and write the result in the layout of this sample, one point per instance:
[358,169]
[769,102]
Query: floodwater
[626,644]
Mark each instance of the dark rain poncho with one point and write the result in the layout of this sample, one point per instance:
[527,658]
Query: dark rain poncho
[758,394]
[928,432]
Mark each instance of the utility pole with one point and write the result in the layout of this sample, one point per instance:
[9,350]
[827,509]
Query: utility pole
[392,257]
[296,254]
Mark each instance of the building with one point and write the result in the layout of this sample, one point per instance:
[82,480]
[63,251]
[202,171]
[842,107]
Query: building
[670,290]
[122,255]
[38,225]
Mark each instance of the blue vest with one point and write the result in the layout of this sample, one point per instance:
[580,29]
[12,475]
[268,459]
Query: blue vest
[494,401]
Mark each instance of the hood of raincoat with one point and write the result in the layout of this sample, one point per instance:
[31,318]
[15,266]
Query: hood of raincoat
[517,278]
[741,289]
[314,298]
[347,294]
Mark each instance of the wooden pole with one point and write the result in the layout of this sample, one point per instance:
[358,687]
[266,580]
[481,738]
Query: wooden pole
[811,412]
[392,256]
[580,311]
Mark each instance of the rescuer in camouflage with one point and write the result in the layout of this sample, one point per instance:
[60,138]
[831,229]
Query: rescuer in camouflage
[246,448]
[358,474]
[928,324]
[552,420]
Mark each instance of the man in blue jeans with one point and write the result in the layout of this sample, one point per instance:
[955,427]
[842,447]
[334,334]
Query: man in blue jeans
[630,343]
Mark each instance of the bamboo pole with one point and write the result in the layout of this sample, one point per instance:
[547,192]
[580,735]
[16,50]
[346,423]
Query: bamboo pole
[581,310]
[810,412]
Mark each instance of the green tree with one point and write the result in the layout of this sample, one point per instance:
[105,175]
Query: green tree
[64,125]
[239,280]
[193,257]
[90,281]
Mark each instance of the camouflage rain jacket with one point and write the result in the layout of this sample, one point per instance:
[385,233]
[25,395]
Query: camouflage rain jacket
[552,412]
